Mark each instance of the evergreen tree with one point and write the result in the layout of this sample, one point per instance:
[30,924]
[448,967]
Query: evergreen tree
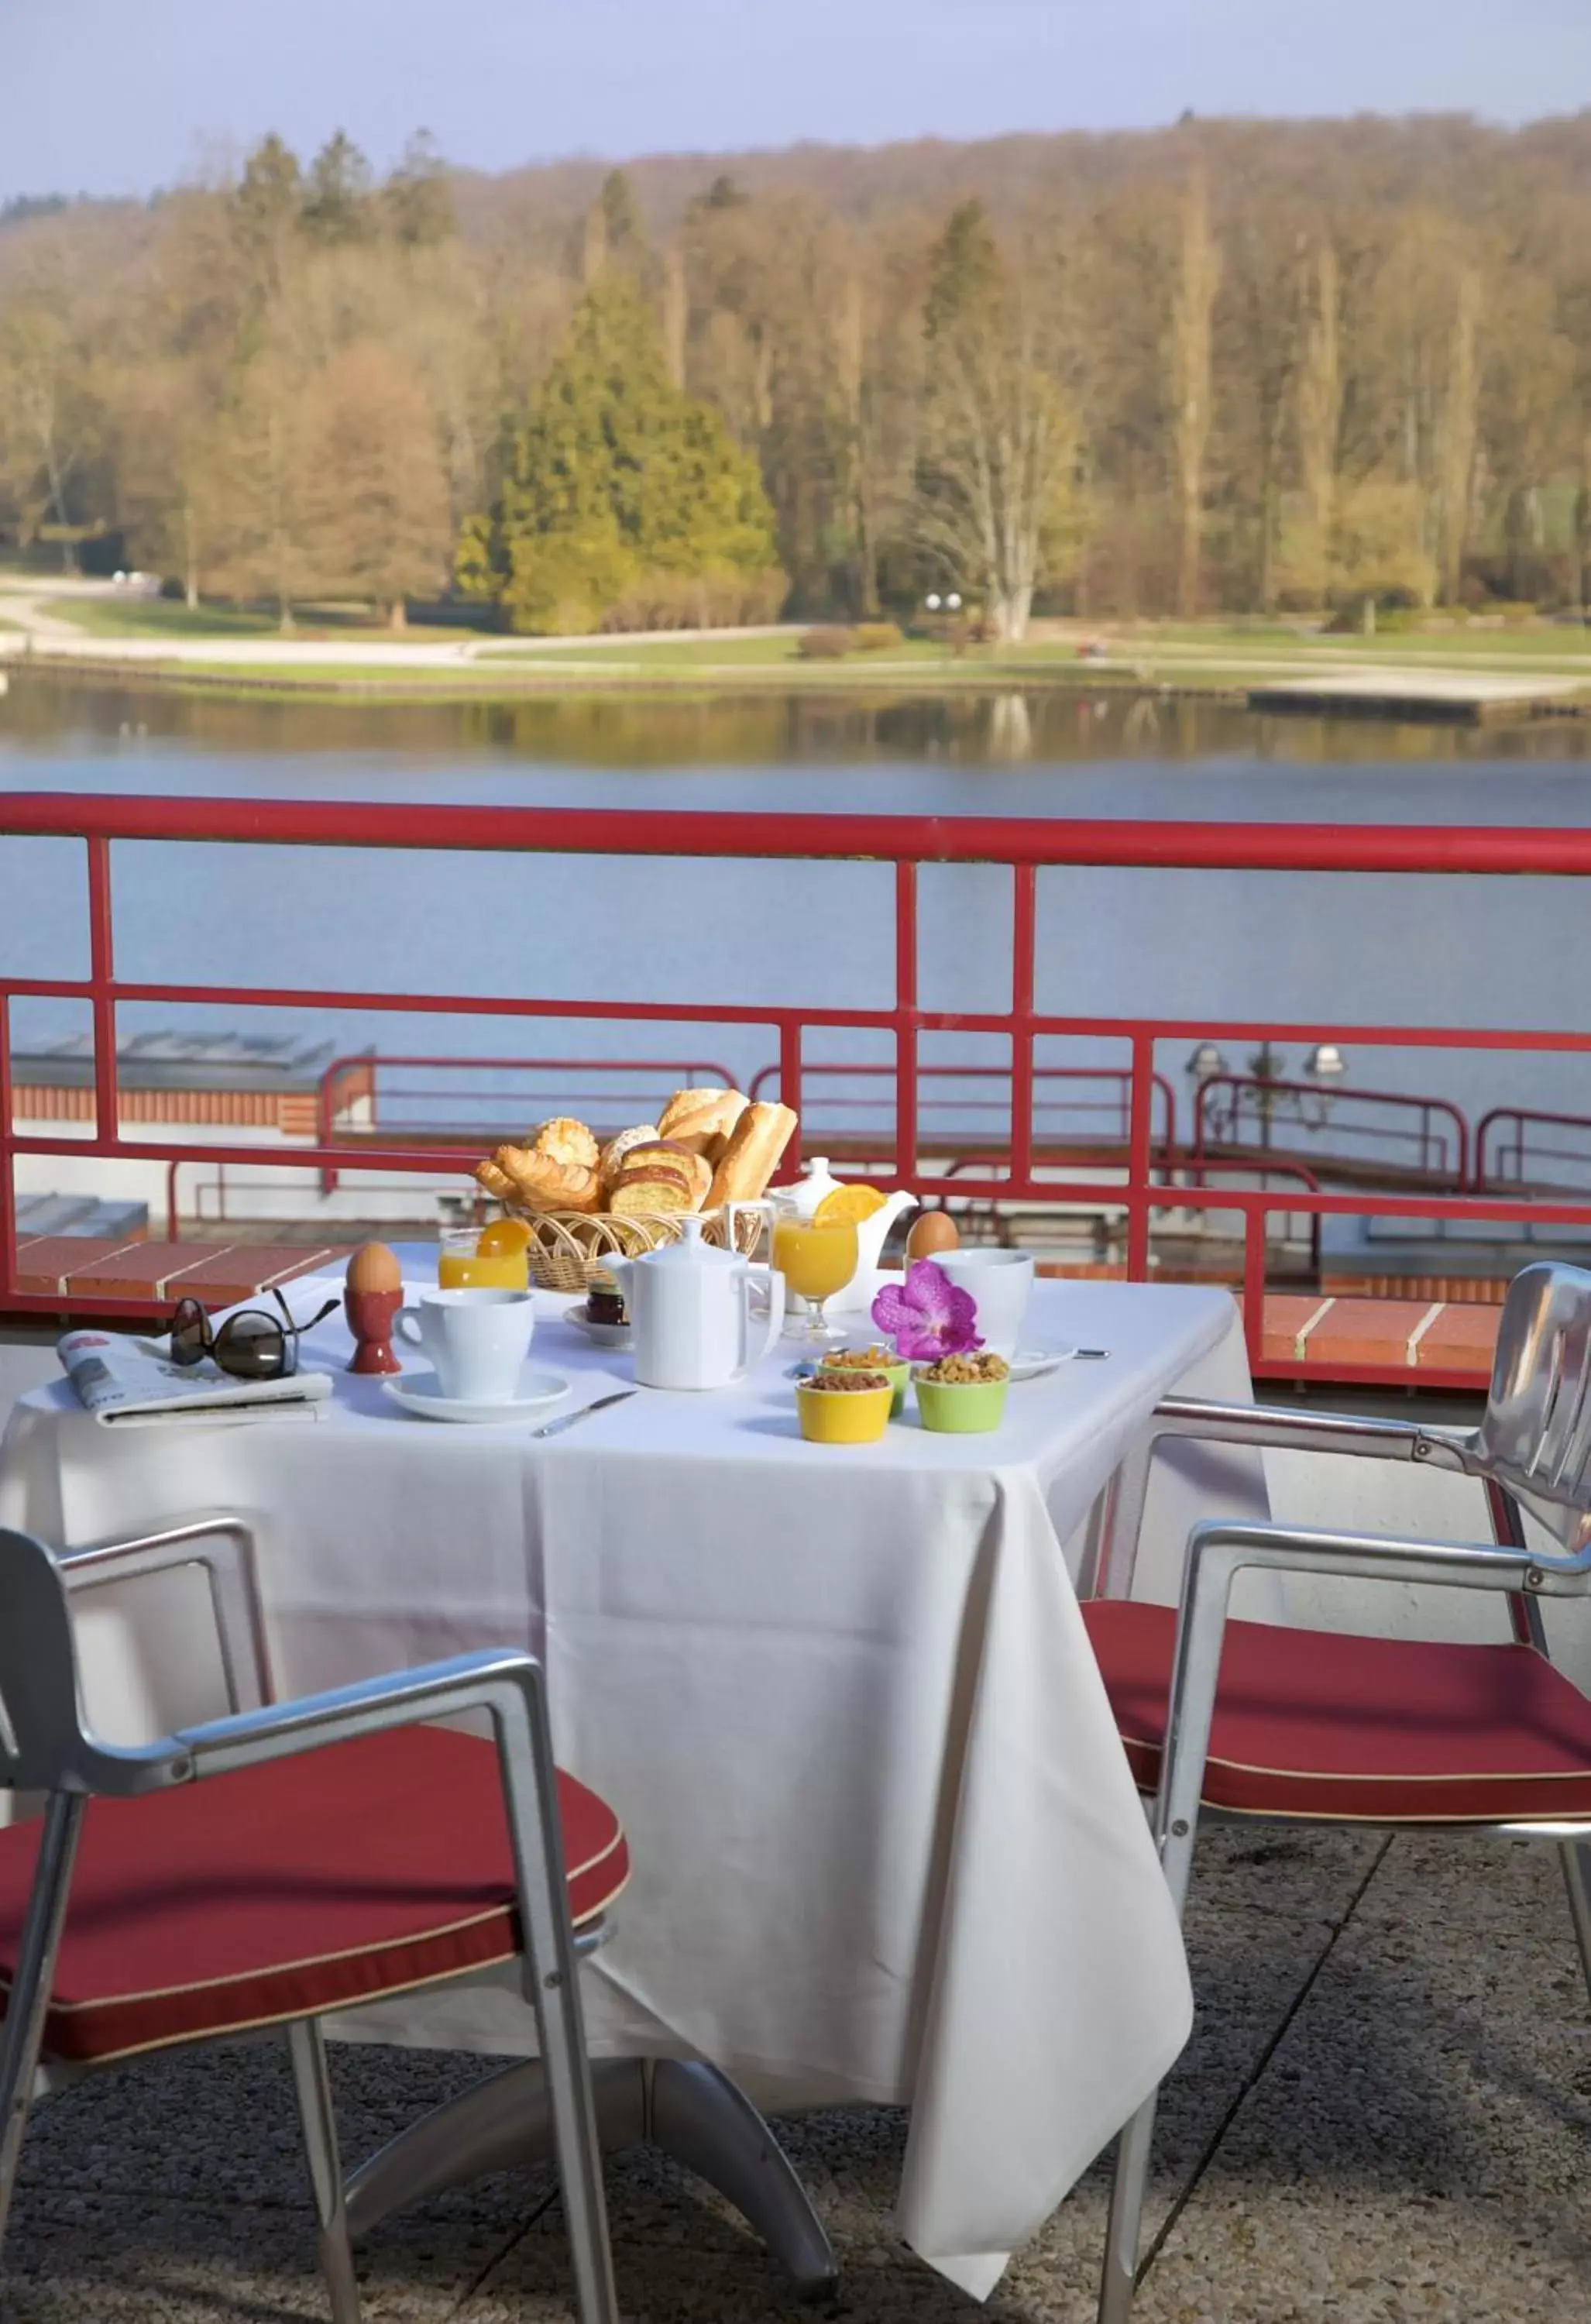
[418,200]
[615,479]
[336,194]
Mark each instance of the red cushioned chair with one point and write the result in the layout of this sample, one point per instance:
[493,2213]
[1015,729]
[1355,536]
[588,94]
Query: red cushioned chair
[1254,1720]
[294,1859]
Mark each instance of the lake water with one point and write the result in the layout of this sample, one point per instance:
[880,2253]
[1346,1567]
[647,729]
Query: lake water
[1371,950]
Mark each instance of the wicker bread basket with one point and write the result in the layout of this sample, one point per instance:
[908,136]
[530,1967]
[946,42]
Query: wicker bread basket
[567,1247]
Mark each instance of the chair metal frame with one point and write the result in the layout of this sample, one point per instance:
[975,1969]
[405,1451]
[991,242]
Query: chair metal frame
[1530,1452]
[46,1748]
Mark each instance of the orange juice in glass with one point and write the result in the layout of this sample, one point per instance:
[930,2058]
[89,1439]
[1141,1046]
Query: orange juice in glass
[815,1262]
[486,1258]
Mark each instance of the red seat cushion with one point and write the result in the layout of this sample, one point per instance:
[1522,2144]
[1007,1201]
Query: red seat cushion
[313,1883]
[1316,1724]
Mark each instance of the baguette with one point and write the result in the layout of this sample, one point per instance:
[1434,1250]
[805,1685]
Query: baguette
[752,1155]
[701,1118]
[564,1139]
[541,1184]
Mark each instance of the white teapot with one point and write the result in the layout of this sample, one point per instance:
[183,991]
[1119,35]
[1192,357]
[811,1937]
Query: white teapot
[700,1317]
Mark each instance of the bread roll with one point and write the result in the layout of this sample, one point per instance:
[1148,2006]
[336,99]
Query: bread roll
[645,1133]
[701,1118]
[564,1139]
[752,1155]
[541,1184]
[668,1154]
[648,1193]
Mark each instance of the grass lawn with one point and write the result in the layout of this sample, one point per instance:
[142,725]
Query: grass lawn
[166,617]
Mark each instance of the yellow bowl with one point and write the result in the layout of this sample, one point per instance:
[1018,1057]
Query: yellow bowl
[844,1415]
[899,1373]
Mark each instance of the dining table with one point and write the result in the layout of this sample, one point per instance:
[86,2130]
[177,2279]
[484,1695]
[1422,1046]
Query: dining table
[886,1845]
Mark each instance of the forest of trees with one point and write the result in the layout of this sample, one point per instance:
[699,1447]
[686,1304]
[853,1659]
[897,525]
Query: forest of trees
[1222,367]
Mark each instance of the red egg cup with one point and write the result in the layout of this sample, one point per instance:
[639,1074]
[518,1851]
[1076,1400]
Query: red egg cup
[371,1317]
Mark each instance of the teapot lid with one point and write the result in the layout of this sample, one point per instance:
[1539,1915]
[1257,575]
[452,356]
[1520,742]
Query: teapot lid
[691,1250]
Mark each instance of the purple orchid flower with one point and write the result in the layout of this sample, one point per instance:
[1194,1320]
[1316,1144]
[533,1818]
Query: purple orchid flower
[927,1315]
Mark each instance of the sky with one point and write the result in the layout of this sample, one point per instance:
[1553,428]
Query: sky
[121,96]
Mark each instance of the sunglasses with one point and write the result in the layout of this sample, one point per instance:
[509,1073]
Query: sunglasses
[252,1345]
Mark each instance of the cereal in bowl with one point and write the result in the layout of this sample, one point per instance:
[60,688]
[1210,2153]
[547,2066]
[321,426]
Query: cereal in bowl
[966,1371]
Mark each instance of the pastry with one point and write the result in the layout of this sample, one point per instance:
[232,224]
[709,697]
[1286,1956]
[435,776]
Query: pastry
[496,1182]
[645,1133]
[564,1139]
[701,1118]
[752,1155]
[538,1183]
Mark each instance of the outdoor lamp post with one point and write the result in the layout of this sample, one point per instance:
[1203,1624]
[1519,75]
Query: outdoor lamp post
[1325,1066]
[1205,1064]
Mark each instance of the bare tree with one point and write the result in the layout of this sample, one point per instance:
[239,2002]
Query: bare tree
[1198,275]
[999,445]
[1458,432]
[1320,416]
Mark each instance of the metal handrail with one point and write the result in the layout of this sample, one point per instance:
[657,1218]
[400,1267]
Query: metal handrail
[1135,1188]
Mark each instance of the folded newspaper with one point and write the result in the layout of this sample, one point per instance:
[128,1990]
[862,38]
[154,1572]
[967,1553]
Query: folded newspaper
[125,1382]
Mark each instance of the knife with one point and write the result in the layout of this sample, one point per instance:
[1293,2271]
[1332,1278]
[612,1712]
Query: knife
[568,1419]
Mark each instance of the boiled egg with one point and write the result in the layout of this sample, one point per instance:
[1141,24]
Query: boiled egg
[934,1232]
[375,1268]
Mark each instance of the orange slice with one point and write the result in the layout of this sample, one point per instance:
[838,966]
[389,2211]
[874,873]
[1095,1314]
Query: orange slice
[503,1239]
[848,1206]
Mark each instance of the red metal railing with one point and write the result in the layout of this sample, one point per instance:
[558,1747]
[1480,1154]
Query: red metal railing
[1137,1192]
[1225,1104]
[1506,1145]
[1057,1122]
[574,1082]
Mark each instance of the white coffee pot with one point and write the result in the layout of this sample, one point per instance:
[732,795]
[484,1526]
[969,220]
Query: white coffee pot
[700,1317]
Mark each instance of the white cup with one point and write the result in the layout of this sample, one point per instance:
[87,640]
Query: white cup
[477,1339]
[1001,1285]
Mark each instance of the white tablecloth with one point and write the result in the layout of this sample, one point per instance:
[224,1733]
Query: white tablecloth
[886,1846]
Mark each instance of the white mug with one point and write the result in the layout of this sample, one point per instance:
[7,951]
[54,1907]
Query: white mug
[1001,1285]
[477,1339]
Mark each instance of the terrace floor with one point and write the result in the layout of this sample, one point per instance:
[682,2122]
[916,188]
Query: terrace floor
[1385,2114]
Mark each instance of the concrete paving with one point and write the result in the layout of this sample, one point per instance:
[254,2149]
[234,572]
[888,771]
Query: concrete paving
[1385,2116]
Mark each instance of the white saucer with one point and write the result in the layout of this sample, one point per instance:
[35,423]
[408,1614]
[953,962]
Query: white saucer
[606,1335]
[1032,1363]
[420,1393]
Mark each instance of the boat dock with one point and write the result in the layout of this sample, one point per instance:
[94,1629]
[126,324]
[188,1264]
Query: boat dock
[1447,696]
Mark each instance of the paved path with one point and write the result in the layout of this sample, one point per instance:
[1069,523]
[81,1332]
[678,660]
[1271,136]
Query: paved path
[1383,2116]
[41,631]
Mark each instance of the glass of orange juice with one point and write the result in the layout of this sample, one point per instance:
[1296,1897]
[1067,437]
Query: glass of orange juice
[486,1258]
[815,1262]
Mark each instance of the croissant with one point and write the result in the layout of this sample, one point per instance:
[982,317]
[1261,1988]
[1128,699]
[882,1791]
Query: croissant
[541,1184]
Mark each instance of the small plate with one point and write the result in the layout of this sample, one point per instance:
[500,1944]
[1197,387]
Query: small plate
[606,1335]
[421,1396]
[1032,1363]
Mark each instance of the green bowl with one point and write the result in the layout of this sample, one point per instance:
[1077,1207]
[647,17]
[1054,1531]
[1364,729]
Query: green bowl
[899,1373]
[961,1408]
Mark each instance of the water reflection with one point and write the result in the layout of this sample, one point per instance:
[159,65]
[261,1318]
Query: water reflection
[1054,726]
